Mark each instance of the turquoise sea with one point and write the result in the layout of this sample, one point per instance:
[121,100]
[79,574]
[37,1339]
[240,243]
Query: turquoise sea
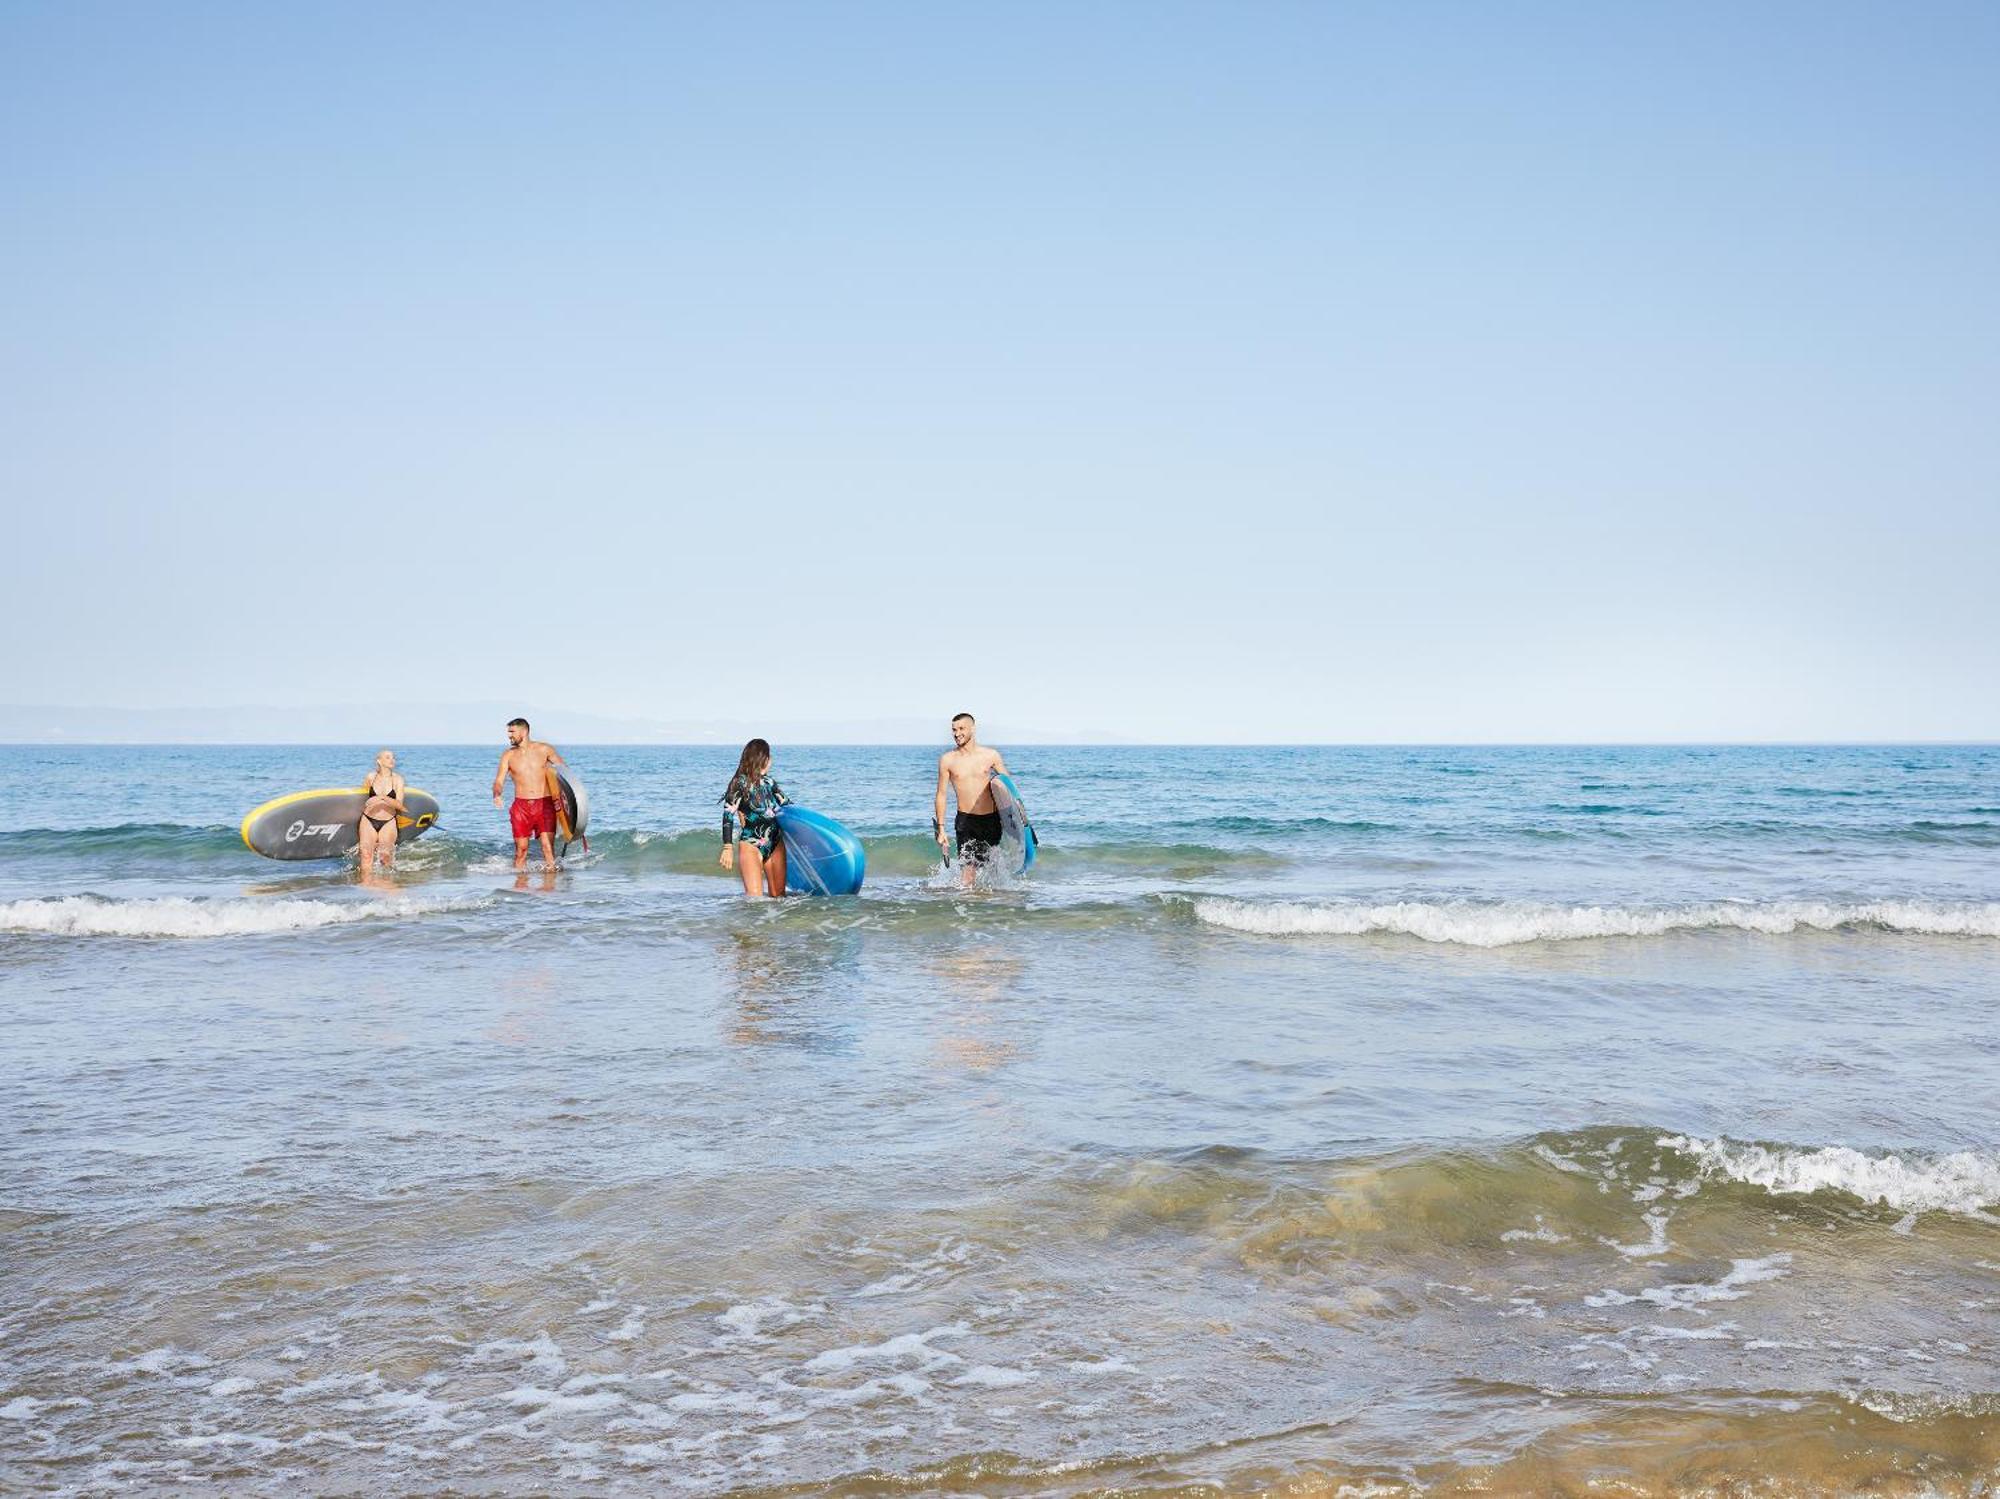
[1309,1121]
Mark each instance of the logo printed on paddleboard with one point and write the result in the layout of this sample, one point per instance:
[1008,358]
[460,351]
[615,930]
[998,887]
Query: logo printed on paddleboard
[300,830]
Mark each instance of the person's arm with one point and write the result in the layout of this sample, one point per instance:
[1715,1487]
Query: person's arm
[999,764]
[937,808]
[732,827]
[554,758]
[500,775]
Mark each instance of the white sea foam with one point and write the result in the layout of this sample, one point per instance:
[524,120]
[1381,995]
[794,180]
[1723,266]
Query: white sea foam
[1541,1233]
[1108,1364]
[180,916]
[1508,923]
[365,1382]
[751,1319]
[992,1377]
[909,1386]
[229,1439]
[729,1401]
[165,1360]
[909,1345]
[630,1328]
[428,1413]
[1967,1183]
[1723,1332]
[539,1355]
[554,1402]
[1690,1296]
[1656,1243]
[889,1285]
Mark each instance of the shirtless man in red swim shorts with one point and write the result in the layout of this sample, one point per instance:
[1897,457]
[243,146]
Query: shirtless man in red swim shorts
[534,811]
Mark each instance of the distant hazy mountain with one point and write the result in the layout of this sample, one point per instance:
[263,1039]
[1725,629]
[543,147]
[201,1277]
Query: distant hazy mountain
[455,723]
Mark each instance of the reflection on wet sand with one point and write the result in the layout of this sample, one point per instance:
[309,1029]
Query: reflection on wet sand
[971,980]
[296,885]
[786,981]
[374,877]
[528,992]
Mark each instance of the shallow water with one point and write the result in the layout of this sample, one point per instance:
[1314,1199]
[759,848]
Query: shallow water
[1507,1120]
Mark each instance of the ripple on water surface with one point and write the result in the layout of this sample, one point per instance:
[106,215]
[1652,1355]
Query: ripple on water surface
[1090,1316]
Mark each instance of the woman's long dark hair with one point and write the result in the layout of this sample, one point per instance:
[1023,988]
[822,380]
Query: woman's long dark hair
[749,770]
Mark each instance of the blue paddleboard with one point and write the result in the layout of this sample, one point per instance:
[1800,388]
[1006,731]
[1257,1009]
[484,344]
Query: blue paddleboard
[821,856]
[1016,832]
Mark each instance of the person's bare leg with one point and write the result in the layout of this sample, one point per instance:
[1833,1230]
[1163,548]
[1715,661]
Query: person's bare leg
[774,871]
[548,851]
[750,864]
[520,853]
[364,847]
[385,846]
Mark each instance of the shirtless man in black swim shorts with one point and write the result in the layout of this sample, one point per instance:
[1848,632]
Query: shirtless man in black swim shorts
[968,770]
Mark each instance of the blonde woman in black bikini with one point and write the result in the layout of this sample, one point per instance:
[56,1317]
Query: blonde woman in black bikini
[379,812]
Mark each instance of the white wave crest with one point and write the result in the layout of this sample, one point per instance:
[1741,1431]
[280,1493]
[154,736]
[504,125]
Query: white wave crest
[1506,923]
[1966,1183]
[180,916]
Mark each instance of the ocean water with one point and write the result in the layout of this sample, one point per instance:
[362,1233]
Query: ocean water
[1309,1121]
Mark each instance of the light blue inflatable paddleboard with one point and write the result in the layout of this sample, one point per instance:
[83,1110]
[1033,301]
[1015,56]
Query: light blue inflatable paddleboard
[821,856]
[1017,834]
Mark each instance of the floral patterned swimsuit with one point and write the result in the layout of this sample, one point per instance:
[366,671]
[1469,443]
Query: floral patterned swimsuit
[752,816]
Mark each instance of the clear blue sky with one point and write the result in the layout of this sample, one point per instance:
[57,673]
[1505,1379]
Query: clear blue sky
[1237,371]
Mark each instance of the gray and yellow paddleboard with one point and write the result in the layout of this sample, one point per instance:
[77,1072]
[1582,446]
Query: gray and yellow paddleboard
[326,824]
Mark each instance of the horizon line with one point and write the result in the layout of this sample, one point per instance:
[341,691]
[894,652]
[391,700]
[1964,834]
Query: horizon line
[1973,743]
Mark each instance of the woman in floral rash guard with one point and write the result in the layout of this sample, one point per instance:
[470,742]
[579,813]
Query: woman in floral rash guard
[750,823]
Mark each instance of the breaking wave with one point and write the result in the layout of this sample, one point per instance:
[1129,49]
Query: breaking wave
[1966,1182]
[1508,923]
[180,916]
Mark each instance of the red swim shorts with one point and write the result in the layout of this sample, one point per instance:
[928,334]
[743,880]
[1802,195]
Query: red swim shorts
[533,816]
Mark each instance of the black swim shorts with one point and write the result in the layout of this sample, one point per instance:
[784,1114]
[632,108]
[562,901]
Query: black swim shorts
[978,834]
